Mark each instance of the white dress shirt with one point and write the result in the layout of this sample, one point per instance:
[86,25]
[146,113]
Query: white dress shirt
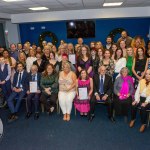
[18,79]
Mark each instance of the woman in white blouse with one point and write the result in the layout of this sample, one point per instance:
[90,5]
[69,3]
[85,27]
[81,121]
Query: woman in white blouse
[30,60]
[120,62]
[142,101]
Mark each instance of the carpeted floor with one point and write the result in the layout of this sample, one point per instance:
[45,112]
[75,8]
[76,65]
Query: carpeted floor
[52,133]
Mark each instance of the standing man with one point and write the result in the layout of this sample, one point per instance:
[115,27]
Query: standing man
[103,88]
[19,90]
[5,73]
[13,51]
[126,38]
[108,43]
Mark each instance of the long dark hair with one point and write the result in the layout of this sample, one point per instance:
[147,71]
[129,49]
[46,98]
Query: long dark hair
[45,73]
[116,54]
[87,76]
[137,55]
[9,58]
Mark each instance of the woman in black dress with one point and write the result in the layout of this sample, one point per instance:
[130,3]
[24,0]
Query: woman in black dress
[140,65]
[40,63]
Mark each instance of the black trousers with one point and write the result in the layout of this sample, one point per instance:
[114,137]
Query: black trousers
[108,102]
[122,107]
[33,98]
[49,100]
[143,112]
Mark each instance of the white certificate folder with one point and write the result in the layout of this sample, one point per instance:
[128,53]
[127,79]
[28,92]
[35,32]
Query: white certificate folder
[83,93]
[72,58]
[33,87]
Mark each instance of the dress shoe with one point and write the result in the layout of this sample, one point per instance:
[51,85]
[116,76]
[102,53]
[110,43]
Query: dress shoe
[28,115]
[91,117]
[132,122]
[36,116]
[112,119]
[12,118]
[142,128]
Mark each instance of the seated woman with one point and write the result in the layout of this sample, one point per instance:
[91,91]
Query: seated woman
[49,86]
[83,106]
[123,90]
[67,91]
[142,100]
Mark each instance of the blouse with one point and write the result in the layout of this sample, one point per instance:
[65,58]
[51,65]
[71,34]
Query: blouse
[50,81]
[120,64]
[129,64]
[143,94]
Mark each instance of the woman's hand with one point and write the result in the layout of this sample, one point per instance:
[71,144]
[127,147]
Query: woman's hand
[144,104]
[134,103]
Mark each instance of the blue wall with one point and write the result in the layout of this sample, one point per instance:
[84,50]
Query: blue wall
[134,26]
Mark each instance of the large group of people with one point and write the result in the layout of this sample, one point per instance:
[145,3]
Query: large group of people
[116,74]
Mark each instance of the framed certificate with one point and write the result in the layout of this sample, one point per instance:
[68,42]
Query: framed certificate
[33,87]
[83,93]
[72,58]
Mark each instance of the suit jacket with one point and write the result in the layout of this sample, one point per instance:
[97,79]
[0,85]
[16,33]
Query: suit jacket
[30,79]
[23,81]
[108,84]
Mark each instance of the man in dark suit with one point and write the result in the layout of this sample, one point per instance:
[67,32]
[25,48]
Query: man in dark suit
[34,97]
[103,88]
[18,91]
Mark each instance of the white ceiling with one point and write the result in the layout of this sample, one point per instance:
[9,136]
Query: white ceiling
[60,5]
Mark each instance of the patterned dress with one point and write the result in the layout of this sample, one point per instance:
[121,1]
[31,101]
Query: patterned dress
[83,106]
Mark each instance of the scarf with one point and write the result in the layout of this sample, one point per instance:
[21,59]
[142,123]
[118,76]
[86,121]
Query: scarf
[124,91]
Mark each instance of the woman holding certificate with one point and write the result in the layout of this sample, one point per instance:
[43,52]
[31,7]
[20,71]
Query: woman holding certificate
[49,85]
[84,89]
[67,90]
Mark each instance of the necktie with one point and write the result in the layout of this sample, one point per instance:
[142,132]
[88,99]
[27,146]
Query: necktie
[33,77]
[101,85]
[19,82]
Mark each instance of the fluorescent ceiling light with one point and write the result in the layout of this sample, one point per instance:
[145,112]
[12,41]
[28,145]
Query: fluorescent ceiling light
[38,8]
[12,0]
[113,4]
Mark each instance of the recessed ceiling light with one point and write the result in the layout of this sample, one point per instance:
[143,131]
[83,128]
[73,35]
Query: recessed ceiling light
[38,8]
[113,4]
[12,0]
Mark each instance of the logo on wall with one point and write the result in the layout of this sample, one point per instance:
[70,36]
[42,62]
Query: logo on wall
[114,32]
[48,34]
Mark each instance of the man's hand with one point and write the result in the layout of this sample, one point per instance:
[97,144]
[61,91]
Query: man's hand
[104,97]
[38,91]
[97,97]
[28,92]
[3,82]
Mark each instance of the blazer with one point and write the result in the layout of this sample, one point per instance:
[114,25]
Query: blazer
[30,79]
[23,81]
[108,84]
